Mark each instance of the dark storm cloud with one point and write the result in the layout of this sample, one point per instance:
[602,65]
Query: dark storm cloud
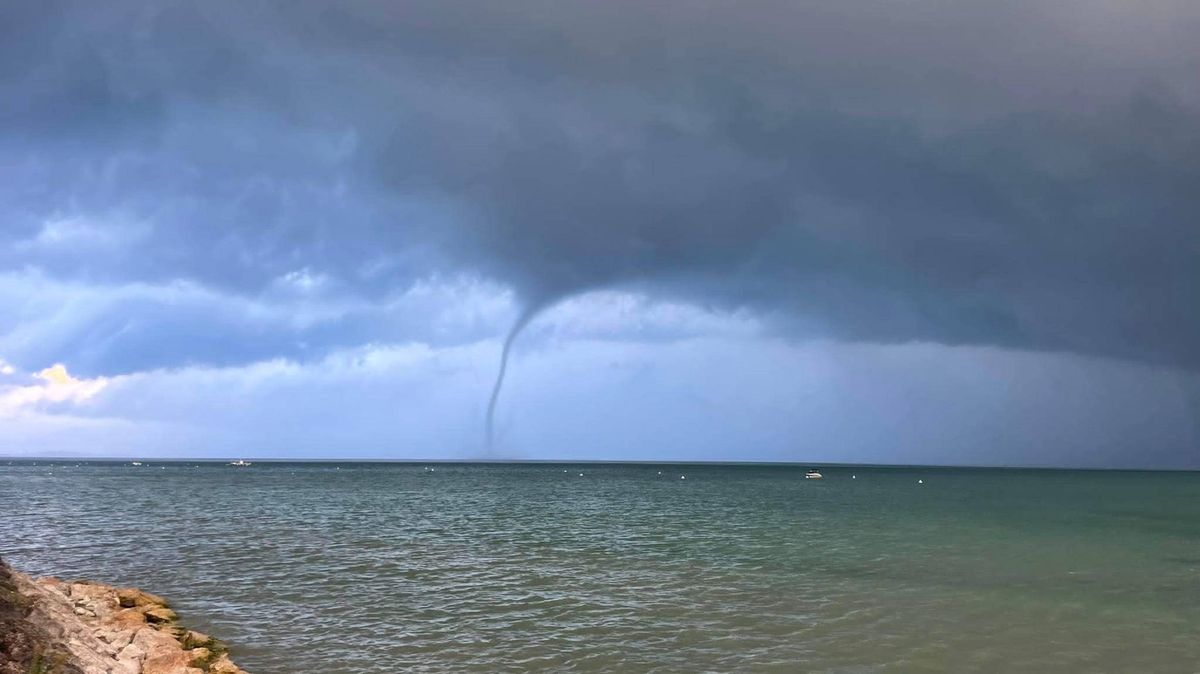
[995,173]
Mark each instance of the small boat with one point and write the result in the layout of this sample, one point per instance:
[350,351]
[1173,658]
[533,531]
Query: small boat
[813,475]
[136,463]
[240,463]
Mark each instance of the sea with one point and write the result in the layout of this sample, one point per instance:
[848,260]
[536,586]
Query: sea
[368,568]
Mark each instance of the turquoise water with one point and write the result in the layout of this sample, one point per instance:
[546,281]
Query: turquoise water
[374,568]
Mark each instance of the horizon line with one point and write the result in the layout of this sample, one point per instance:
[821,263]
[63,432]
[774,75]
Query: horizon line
[495,461]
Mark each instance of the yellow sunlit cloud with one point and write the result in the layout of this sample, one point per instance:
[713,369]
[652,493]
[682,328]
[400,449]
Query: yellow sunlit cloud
[57,386]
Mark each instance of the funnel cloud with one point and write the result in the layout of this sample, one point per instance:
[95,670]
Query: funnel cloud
[527,315]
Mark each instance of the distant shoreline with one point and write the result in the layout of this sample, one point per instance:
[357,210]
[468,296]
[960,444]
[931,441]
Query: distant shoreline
[799,465]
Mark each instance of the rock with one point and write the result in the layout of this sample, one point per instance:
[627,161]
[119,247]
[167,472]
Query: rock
[130,597]
[194,639]
[129,619]
[132,654]
[23,645]
[224,665]
[119,639]
[161,615]
[127,597]
[91,628]
[169,662]
[82,592]
[164,655]
[126,668]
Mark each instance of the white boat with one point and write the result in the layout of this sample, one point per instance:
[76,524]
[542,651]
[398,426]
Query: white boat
[813,475]
[240,463]
[136,463]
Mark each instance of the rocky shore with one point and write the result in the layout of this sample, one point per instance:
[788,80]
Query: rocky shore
[49,626]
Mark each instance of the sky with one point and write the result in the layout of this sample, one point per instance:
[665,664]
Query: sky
[885,232]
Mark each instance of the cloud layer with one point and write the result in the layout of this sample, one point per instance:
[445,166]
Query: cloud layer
[885,172]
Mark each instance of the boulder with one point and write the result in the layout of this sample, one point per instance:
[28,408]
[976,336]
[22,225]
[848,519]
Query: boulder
[129,619]
[91,628]
[224,665]
[161,614]
[169,661]
[194,639]
[130,597]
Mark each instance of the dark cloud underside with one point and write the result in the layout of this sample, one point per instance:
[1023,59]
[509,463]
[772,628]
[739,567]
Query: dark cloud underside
[1012,173]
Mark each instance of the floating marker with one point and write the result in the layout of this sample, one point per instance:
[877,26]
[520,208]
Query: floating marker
[683,477]
[920,481]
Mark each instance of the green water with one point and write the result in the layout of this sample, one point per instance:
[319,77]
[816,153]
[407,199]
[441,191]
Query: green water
[374,568]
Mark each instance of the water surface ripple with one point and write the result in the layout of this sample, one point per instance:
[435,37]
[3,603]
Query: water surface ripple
[381,568]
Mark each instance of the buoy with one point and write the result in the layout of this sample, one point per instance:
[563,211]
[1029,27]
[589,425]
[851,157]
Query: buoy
[920,481]
[683,477]
[581,475]
[853,477]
